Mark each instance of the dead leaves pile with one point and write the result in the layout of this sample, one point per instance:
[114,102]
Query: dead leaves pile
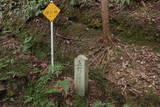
[135,69]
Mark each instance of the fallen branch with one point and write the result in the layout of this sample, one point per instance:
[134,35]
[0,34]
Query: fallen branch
[58,35]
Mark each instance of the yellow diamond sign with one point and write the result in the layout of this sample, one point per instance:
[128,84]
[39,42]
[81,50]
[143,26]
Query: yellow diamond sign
[51,11]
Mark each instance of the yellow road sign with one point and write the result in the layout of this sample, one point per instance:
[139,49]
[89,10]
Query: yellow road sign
[51,11]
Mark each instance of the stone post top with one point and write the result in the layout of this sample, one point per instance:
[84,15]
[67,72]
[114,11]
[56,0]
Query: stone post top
[82,57]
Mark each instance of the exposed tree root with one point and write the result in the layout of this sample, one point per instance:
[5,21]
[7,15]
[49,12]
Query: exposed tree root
[100,53]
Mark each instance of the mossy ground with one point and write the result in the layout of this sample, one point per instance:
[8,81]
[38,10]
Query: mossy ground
[130,32]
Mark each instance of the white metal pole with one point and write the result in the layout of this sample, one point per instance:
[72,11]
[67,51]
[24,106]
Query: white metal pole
[52,43]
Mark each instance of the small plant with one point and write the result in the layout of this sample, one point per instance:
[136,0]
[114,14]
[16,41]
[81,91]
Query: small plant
[4,62]
[27,43]
[55,70]
[80,102]
[99,104]
[65,85]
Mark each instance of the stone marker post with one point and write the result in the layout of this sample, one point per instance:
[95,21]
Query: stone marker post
[81,75]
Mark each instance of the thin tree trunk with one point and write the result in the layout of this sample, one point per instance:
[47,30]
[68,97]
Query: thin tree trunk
[105,21]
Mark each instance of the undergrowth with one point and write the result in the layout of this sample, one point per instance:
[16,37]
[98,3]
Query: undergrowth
[38,91]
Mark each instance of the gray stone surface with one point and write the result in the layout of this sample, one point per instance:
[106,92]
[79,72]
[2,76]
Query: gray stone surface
[81,75]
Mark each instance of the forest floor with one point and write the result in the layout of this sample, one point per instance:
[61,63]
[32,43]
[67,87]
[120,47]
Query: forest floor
[132,70]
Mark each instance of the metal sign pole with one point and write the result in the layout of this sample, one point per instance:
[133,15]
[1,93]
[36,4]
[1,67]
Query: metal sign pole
[52,43]
[50,12]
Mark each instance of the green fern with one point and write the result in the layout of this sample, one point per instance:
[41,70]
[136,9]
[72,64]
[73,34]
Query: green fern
[54,90]
[55,70]
[65,85]
[37,92]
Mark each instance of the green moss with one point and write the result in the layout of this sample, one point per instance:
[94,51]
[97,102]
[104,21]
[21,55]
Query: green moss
[131,32]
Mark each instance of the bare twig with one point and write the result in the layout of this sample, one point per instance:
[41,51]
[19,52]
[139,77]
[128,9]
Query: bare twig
[58,35]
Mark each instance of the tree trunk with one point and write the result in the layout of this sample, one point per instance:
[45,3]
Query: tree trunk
[105,22]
